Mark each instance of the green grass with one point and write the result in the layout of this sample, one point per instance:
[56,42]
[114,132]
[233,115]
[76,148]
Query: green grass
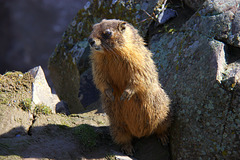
[42,109]
[110,157]
[86,135]
[26,104]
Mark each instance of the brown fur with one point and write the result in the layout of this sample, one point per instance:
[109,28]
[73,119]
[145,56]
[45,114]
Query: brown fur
[124,72]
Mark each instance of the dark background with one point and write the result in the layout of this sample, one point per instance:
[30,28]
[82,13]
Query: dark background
[30,30]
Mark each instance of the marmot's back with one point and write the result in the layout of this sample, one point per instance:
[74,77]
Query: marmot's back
[125,73]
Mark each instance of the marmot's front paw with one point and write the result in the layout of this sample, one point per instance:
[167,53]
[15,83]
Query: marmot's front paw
[109,94]
[127,94]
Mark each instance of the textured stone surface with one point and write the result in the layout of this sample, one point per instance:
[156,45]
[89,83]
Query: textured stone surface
[202,83]
[219,20]
[41,92]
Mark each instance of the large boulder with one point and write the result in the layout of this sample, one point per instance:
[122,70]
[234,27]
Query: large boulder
[199,68]
[70,58]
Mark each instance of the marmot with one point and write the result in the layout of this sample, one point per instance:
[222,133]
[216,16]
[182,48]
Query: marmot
[124,72]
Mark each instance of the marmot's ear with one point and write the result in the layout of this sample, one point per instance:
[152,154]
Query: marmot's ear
[122,26]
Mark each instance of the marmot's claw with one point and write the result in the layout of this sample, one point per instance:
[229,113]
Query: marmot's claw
[127,94]
[164,139]
[109,94]
[128,149]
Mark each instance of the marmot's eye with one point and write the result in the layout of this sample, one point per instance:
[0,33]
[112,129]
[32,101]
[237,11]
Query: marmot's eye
[107,34]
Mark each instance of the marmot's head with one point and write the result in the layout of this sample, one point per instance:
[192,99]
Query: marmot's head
[109,35]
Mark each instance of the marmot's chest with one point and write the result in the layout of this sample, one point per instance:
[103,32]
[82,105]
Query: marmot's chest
[119,73]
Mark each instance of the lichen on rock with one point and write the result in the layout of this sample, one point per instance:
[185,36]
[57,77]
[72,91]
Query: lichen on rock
[202,82]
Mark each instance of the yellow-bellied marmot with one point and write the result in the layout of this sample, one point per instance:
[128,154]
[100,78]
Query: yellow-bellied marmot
[124,72]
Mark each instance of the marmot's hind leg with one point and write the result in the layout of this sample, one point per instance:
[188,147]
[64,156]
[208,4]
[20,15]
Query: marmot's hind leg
[162,132]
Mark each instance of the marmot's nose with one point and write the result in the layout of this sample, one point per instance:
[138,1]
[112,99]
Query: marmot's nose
[91,41]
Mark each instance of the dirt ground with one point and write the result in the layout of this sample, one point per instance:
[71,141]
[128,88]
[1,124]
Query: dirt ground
[26,134]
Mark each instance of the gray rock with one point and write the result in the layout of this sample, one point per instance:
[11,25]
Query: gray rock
[202,84]
[166,15]
[221,19]
[41,92]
